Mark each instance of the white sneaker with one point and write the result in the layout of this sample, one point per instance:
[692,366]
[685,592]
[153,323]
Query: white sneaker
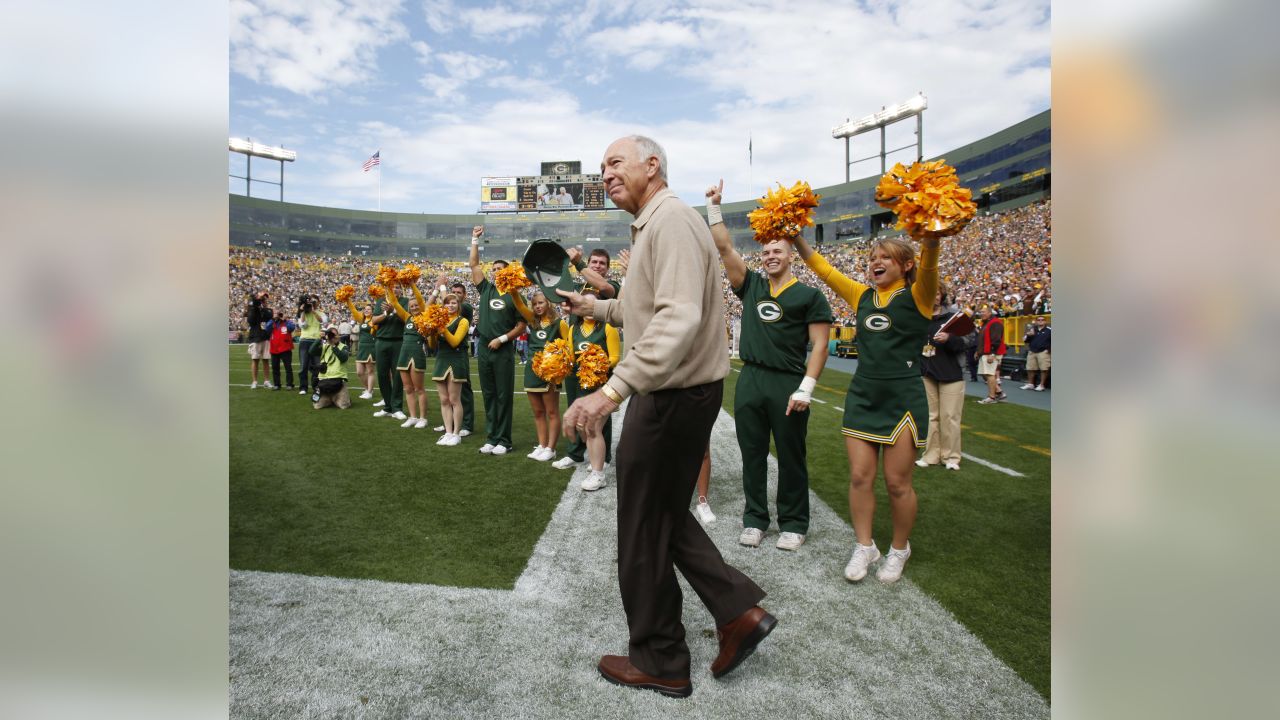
[439,428]
[1028,386]
[463,433]
[565,463]
[704,513]
[420,424]
[399,415]
[988,401]
[381,413]
[499,450]
[454,440]
[594,481]
[891,569]
[366,395]
[267,384]
[380,403]
[409,422]
[751,537]
[546,454]
[537,450]
[790,541]
[921,463]
[303,391]
[863,556]
[486,448]
[952,465]
[444,439]
[254,386]
[1039,388]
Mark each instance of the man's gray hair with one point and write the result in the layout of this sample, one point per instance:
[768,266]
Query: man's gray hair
[649,147]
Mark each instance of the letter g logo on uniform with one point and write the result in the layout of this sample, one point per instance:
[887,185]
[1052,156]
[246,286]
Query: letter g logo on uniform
[768,310]
[877,322]
[541,334]
[497,303]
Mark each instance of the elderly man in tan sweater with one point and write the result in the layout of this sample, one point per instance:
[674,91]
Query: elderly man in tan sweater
[672,310]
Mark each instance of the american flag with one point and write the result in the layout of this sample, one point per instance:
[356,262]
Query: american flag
[375,159]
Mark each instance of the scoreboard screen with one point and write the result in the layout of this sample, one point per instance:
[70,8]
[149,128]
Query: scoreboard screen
[562,186]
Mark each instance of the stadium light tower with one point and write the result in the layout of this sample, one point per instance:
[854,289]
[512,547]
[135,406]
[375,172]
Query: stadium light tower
[250,150]
[887,116]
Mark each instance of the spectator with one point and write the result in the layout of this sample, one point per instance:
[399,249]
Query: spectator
[991,350]
[282,330]
[1039,339]
[943,387]
[257,316]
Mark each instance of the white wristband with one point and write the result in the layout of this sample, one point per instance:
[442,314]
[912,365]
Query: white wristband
[503,339]
[805,393]
[443,289]
[714,215]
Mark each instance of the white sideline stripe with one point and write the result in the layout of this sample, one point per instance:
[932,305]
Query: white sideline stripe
[331,647]
[245,385]
[993,466]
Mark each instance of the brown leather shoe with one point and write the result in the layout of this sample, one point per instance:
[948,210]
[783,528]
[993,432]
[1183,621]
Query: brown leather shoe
[738,639]
[618,670]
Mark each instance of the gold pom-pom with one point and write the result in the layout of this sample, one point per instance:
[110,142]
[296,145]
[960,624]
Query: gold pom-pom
[783,214]
[376,291]
[386,276]
[927,199]
[554,361]
[344,293]
[409,275]
[511,278]
[437,318]
[593,367]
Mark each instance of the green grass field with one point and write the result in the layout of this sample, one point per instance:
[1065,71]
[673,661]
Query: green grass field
[343,494]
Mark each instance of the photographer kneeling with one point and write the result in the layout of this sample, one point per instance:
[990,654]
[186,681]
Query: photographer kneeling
[330,357]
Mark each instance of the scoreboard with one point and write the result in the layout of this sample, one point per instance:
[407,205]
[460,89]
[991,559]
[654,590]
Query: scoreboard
[561,186]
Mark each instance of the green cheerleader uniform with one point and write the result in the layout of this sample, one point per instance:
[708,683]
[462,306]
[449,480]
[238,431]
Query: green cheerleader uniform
[579,339]
[453,361]
[886,394]
[413,355]
[538,339]
[365,353]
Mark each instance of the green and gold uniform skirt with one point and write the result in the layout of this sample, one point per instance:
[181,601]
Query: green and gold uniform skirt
[451,361]
[412,351]
[879,410]
[533,383]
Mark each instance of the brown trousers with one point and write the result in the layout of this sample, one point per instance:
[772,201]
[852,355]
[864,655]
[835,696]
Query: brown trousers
[659,454]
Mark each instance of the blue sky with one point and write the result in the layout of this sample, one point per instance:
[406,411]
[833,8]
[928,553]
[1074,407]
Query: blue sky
[453,91]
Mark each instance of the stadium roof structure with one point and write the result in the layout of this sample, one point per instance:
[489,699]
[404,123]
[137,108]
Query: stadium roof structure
[1006,169]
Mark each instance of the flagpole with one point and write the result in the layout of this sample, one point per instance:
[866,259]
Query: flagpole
[379,183]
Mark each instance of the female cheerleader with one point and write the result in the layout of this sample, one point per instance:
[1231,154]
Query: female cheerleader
[886,404]
[581,333]
[412,363]
[452,369]
[544,398]
[364,352]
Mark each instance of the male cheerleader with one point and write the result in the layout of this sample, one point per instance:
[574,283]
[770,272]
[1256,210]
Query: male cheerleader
[499,324]
[780,317]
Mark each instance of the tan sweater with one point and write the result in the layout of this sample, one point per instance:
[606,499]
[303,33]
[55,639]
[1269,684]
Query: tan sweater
[672,308]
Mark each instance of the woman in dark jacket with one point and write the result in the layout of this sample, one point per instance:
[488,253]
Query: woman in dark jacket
[943,387]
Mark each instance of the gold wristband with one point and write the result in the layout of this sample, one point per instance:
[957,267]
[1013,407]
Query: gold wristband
[611,394]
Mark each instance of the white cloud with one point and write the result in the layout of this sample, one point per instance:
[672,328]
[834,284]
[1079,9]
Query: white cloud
[310,46]
[644,46]
[500,22]
[459,69]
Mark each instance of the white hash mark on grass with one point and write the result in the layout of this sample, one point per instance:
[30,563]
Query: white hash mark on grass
[330,647]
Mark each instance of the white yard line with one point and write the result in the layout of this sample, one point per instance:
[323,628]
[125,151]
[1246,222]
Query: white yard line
[993,466]
[329,647]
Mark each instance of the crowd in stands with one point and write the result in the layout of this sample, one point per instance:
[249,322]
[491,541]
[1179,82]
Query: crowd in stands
[1003,260]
